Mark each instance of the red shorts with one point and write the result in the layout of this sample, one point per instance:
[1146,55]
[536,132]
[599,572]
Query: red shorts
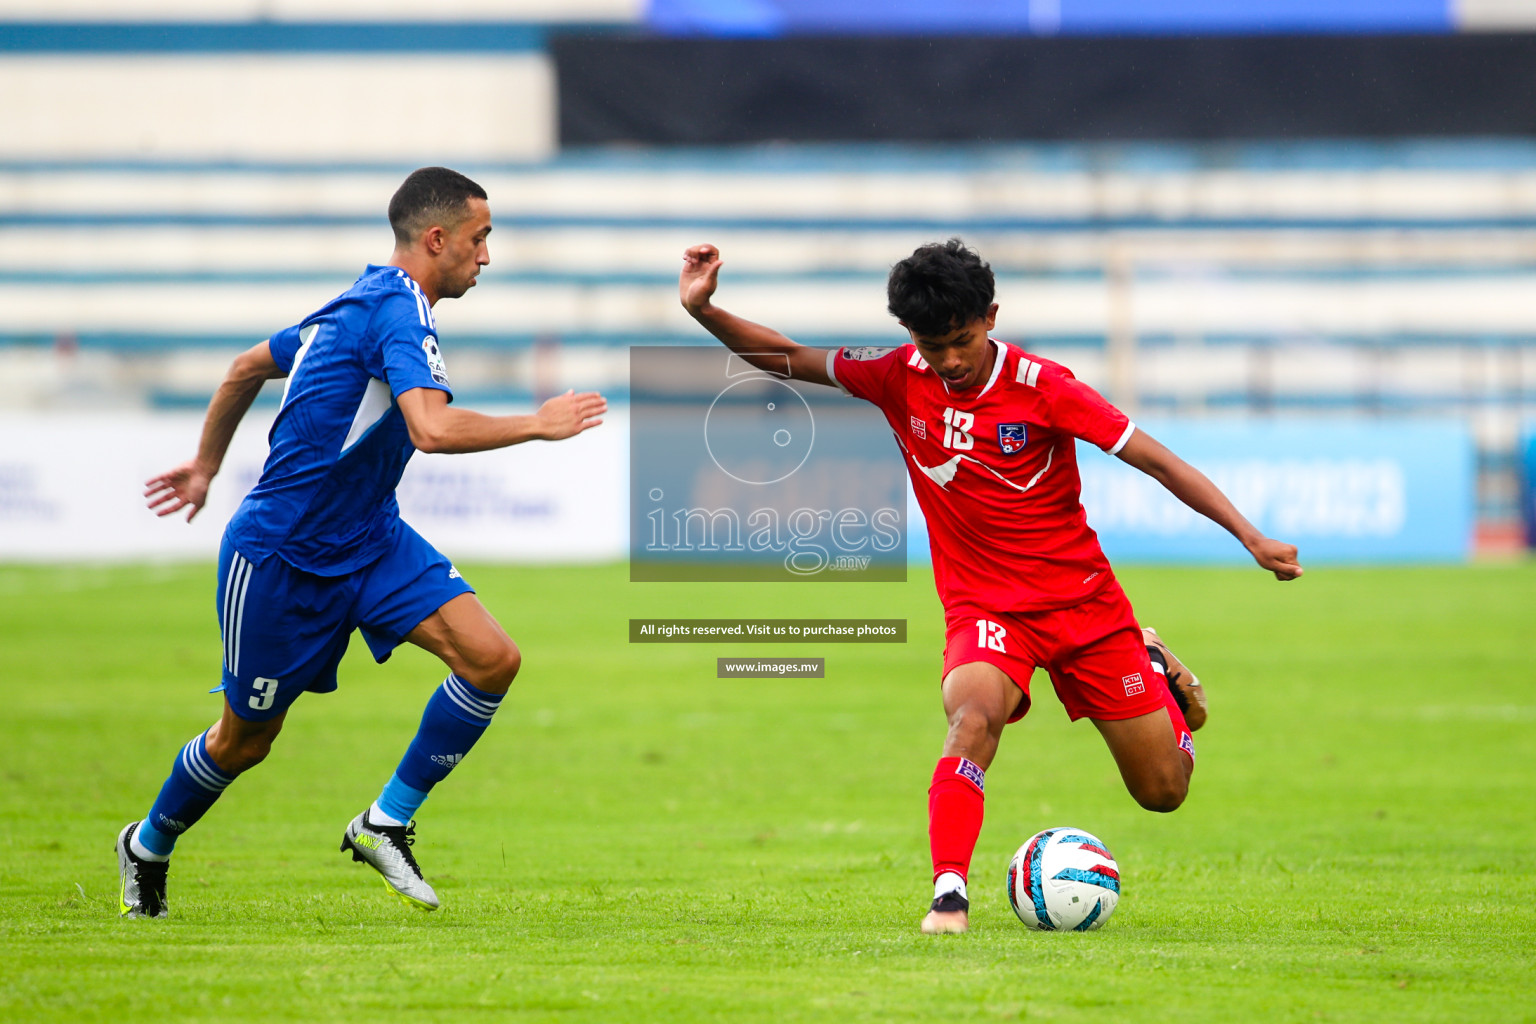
[1093,651]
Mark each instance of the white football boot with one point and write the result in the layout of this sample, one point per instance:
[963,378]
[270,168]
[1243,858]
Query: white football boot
[387,849]
[143,892]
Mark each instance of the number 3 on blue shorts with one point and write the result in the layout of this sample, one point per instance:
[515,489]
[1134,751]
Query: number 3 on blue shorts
[266,693]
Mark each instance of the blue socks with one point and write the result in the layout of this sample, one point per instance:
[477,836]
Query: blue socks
[195,783]
[454,719]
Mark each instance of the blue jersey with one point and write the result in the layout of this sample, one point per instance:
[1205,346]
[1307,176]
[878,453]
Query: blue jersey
[325,503]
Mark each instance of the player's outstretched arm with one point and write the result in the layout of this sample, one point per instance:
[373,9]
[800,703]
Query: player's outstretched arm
[1195,489]
[763,347]
[186,486]
[436,426]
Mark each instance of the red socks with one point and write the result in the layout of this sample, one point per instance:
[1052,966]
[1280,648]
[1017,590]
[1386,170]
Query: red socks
[955,809]
[1181,734]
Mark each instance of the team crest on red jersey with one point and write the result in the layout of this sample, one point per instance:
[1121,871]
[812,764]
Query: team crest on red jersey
[1011,437]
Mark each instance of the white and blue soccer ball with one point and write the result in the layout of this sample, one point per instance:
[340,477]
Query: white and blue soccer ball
[1063,880]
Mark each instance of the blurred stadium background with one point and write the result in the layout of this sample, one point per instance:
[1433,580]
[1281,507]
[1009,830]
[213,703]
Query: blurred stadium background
[1297,236]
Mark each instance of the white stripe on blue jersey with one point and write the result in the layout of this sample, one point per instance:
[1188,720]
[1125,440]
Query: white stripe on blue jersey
[375,405]
[421,301]
[423,307]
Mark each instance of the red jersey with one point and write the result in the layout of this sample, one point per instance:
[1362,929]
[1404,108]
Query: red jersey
[995,472]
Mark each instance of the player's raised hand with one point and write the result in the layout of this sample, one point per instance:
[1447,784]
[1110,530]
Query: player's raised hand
[701,274]
[569,414]
[1278,557]
[185,487]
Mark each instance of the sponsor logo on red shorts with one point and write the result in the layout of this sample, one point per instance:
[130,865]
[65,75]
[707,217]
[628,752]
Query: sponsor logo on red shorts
[1133,684]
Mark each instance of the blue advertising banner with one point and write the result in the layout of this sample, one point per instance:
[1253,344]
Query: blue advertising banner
[1045,17]
[1344,490]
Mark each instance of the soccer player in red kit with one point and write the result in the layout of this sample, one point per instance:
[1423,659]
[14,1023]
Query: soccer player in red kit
[988,434]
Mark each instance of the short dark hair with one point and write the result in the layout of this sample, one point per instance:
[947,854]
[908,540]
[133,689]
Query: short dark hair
[428,196]
[940,288]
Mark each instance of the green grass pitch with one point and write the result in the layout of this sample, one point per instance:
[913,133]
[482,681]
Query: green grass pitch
[636,840]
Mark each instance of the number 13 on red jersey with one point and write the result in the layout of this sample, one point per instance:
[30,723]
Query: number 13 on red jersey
[957,429]
[990,635]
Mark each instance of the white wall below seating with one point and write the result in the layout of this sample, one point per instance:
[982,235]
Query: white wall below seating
[71,488]
[323,10]
[1493,15]
[410,108]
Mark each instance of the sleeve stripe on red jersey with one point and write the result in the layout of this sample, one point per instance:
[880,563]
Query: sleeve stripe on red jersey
[1028,372]
[917,360]
[831,361]
[1130,428]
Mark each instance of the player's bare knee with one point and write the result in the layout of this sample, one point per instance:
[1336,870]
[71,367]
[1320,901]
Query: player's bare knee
[1163,794]
[254,751]
[508,663]
[967,725]
[494,668]
[1163,803]
[972,734]
[241,753]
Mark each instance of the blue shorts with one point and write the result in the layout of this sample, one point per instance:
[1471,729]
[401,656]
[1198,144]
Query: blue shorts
[285,630]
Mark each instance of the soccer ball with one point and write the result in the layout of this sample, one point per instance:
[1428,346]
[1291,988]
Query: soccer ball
[1063,879]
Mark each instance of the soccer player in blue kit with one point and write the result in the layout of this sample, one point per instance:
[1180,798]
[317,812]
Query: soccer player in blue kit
[318,549]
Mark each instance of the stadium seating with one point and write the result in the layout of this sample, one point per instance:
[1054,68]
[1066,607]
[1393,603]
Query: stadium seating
[139,251]
[1219,281]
